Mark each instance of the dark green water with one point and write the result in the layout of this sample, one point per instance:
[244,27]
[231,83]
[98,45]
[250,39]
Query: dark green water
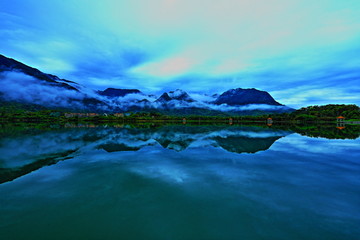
[177,183]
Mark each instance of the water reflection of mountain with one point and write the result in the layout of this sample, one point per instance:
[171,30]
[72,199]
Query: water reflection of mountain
[329,131]
[41,148]
[179,138]
[112,147]
[9,174]
[245,144]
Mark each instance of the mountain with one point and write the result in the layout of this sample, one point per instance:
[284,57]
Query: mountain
[180,95]
[240,96]
[164,98]
[29,88]
[26,86]
[179,102]
[11,65]
[114,92]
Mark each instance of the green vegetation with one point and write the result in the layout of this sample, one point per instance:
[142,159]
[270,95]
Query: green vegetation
[326,112]
[34,114]
[327,130]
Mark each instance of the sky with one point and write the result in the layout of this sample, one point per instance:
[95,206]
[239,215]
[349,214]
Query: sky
[303,52]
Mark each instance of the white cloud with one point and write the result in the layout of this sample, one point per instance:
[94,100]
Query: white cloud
[303,95]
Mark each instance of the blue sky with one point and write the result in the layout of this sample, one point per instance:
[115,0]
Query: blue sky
[303,52]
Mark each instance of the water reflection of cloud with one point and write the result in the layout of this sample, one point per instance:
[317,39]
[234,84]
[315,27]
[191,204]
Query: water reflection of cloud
[42,143]
[302,145]
[165,172]
[24,149]
[251,134]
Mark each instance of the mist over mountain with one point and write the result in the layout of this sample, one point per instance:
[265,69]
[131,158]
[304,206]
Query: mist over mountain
[24,84]
[11,65]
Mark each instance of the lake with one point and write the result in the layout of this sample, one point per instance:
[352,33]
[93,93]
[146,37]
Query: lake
[177,182]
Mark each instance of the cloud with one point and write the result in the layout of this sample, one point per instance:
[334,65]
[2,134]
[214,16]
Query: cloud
[201,97]
[193,45]
[315,95]
[16,86]
[167,68]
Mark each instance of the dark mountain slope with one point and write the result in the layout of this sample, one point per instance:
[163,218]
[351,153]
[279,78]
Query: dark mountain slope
[241,96]
[11,65]
[114,92]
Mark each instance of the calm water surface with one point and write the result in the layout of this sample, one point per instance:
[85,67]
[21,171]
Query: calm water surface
[177,182]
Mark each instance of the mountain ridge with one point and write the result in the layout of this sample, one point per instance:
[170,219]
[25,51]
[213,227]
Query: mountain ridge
[20,88]
[118,92]
[9,64]
[241,96]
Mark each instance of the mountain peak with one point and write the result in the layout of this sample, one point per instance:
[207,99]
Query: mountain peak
[115,92]
[241,96]
[178,94]
[164,98]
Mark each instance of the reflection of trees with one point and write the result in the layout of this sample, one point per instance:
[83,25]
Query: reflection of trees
[329,131]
